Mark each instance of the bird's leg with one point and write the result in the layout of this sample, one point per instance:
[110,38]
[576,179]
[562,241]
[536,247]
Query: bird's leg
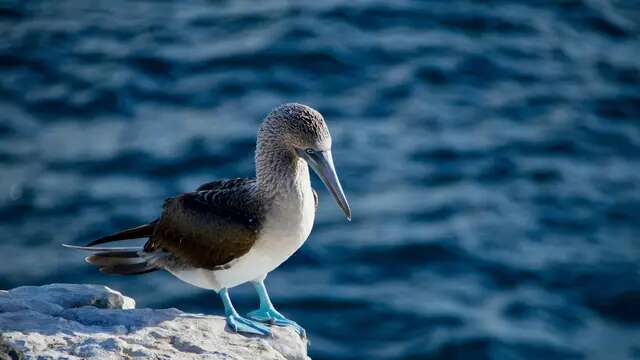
[236,322]
[267,313]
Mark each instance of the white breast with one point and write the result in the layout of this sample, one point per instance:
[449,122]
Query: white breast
[285,229]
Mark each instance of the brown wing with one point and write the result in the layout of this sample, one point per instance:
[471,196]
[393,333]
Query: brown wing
[210,227]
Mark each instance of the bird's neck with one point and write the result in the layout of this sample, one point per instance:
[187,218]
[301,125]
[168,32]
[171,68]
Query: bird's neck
[282,177]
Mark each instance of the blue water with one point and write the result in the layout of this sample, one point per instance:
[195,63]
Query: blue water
[490,151]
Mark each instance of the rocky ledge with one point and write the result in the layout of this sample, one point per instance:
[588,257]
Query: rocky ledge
[70,321]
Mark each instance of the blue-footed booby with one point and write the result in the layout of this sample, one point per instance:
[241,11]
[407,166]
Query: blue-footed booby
[229,232]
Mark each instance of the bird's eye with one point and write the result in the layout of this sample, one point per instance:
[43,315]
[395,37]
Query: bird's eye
[309,151]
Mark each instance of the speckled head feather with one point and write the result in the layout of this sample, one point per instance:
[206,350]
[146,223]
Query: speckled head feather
[287,128]
[295,125]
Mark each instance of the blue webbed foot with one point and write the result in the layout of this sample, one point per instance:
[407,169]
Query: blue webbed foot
[272,316]
[242,325]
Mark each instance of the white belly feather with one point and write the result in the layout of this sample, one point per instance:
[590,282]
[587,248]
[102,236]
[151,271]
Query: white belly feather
[284,232]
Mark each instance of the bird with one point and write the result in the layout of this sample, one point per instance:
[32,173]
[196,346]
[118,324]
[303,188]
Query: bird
[235,231]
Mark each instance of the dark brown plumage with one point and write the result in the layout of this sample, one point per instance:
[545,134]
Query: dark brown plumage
[211,227]
[208,228]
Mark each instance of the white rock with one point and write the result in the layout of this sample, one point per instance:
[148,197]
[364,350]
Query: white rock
[70,321]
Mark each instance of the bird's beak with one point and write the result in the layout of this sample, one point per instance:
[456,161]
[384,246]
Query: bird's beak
[322,163]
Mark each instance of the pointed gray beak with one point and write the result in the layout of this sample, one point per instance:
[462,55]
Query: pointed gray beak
[322,163]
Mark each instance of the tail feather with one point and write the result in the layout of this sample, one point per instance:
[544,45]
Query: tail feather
[103,249]
[134,233]
[122,261]
[128,269]
[114,258]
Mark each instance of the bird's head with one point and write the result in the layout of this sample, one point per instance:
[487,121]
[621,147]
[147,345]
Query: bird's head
[303,132]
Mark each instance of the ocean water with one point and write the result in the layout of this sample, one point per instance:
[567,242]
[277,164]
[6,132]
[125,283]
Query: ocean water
[490,151]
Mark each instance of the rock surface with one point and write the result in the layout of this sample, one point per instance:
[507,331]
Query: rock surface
[94,322]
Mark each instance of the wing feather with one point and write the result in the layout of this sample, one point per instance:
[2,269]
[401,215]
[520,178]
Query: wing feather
[210,227]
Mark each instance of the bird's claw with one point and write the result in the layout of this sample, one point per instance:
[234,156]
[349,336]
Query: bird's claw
[272,316]
[242,325]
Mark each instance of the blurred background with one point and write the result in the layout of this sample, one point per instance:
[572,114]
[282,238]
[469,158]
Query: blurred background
[490,150]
